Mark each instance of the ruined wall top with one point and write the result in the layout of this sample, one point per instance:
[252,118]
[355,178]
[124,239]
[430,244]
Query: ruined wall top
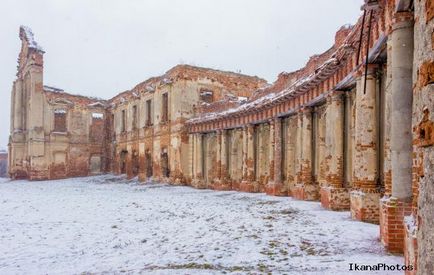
[320,73]
[31,53]
[56,95]
[26,34]
[230,80]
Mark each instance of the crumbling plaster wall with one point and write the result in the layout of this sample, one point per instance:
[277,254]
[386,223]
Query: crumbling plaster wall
[423,132]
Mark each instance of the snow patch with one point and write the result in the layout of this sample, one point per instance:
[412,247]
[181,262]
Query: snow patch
[109,224]
[96,104]
[52,89]
[411,225]
[60,111]
[30,39]
[97,115]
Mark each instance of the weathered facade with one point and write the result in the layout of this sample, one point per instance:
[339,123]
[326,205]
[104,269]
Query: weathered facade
[353,129]
[53,134]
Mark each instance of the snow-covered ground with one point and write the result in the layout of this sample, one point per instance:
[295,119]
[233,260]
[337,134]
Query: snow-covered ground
[107,224]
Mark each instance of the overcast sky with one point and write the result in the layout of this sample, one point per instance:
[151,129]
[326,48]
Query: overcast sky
[103,47]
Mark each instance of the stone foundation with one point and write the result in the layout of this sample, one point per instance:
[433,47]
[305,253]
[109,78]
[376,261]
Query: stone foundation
[19,174]
[276,189]
[35,175]
[306,192]
[249,187]
[365,206]
[221,185]
[235,185]
[392,229]
[142,177]
[199,184]
[333,198]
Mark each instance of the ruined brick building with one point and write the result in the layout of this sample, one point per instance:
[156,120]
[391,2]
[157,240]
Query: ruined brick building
[353,129]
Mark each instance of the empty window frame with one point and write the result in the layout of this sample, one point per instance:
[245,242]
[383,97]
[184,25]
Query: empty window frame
[97,127]
[135,120]
[165,108]
[148,112]
[60,120]
[206,96]
[123,121]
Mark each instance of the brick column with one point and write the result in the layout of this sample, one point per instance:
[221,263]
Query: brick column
[291,158]
[305,188]
[365,196]
[275,185]
[333,195]
[218,164]
[221,182]
[224,161]
[249,183]
[198,181]
[394,208]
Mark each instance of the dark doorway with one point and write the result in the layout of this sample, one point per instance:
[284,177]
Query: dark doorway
[135,163]
[148,159]
[165,163]
[123,161]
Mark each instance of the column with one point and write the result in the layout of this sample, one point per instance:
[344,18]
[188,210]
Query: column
[394,208]
[365,197]
[333,195]
[221,183]
[249,183]
[218,164]
[275,185]
[224,172]
[291,147]
[402,99]
[244,153]
[305,188]
[198,157]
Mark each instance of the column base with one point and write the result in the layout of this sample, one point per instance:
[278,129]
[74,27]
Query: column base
[221,185]
[36,175]
[306,192]
[410,244]
[365,205]
[142,177]
[130,176]
[19,174]
[276,189]
[249,187]
[335,198]
[198,184]
[44,174]
[178,180]
[392,212]
[235,186]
